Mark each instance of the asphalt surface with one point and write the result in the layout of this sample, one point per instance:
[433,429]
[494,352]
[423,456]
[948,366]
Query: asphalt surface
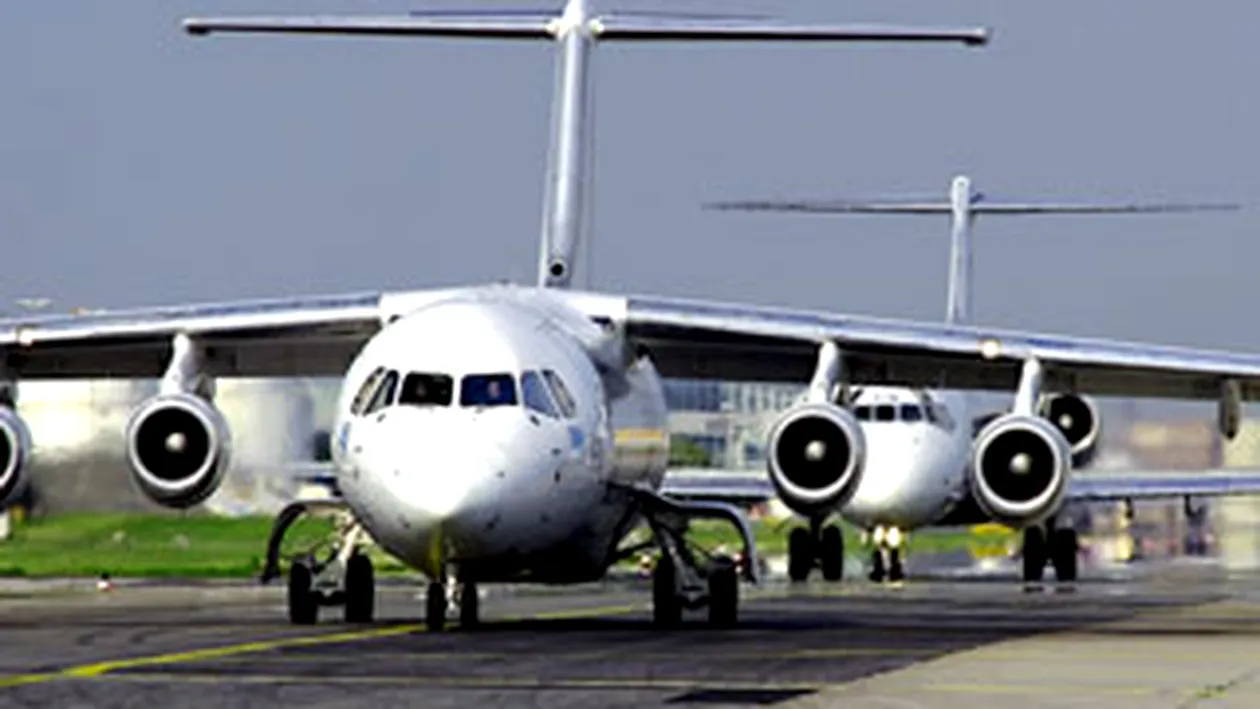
[229,645]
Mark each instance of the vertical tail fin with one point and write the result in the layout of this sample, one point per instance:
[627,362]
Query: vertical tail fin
[576,31]
[963,206]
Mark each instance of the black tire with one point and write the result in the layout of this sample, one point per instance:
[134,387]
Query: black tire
[435,607]
[360,589]
[878,573]
[800,554]
[666,606]
[724,596]
[1034,554]
[303,604]
[831,552]
[896,569]
[1063,550]
[469,606]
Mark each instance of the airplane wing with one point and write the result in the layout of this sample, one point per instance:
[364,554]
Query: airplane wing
[299,336]
[697,339]
[750,486]
[1099,486]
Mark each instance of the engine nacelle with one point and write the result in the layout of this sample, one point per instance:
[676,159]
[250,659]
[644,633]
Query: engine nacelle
[15,448]
[178,446]
[1020,467]
[815,455]
[1077,419]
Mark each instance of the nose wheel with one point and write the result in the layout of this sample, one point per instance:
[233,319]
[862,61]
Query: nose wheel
[1058,547]
[887,554]
[819,546]
[439,597]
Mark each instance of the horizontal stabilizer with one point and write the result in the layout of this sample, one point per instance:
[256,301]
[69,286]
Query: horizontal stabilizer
[647,27]
[467,24]
[544,25]
[940,207]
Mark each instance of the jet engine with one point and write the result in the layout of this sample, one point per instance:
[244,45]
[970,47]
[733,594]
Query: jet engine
[1020,467]
[178,447]
[815,455]
[1077,419]
[15,446]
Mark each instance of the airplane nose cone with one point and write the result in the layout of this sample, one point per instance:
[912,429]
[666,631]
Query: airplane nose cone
[440,463]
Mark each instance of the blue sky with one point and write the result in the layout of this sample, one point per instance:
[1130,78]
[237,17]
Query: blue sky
[141,166]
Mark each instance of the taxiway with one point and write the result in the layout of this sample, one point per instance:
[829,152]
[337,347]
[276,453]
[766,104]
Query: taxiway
[1166,635]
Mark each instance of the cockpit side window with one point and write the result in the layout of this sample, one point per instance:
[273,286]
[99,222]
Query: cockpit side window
[885,412]
[535,396]
[384,395]
[863,413]
[487,390]
[568,406]
[426,389]
[933,415]
[366,390]
[911,412]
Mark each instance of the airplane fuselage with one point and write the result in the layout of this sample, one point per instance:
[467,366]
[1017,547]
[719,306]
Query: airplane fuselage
[477,433]
[918,454]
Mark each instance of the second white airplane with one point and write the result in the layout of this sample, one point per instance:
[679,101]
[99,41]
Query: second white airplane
[919,442]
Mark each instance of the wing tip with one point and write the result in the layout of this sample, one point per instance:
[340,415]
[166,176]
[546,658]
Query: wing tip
[195,27]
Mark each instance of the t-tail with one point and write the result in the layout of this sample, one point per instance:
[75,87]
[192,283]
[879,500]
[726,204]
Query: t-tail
[566,213]
[963,204]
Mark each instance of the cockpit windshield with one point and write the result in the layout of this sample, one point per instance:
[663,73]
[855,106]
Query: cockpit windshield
[909,413]
[426,389]
[488,390]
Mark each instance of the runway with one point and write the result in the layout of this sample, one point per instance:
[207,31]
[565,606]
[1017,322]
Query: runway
[937,643]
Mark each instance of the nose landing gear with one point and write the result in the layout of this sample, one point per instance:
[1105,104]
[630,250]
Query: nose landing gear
[441,597]
[887,555]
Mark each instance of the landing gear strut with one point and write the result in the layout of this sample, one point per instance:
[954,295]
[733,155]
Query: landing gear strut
[683,580]
[1049,544]
[887,555]
[345,577]
[819,545]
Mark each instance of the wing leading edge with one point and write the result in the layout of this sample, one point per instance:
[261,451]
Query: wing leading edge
[698,339]
[300,336]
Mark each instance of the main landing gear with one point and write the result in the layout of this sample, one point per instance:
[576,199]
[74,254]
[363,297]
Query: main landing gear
[1048,543]
[683,580]
[887,554]
[345,577]
[821,546]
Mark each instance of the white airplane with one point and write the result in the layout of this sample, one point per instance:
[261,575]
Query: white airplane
[919,442]
[499,434]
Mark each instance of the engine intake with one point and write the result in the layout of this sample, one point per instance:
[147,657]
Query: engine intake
[815,454]
[1077,419]
[178,447]
[1020,468]
[15,447]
